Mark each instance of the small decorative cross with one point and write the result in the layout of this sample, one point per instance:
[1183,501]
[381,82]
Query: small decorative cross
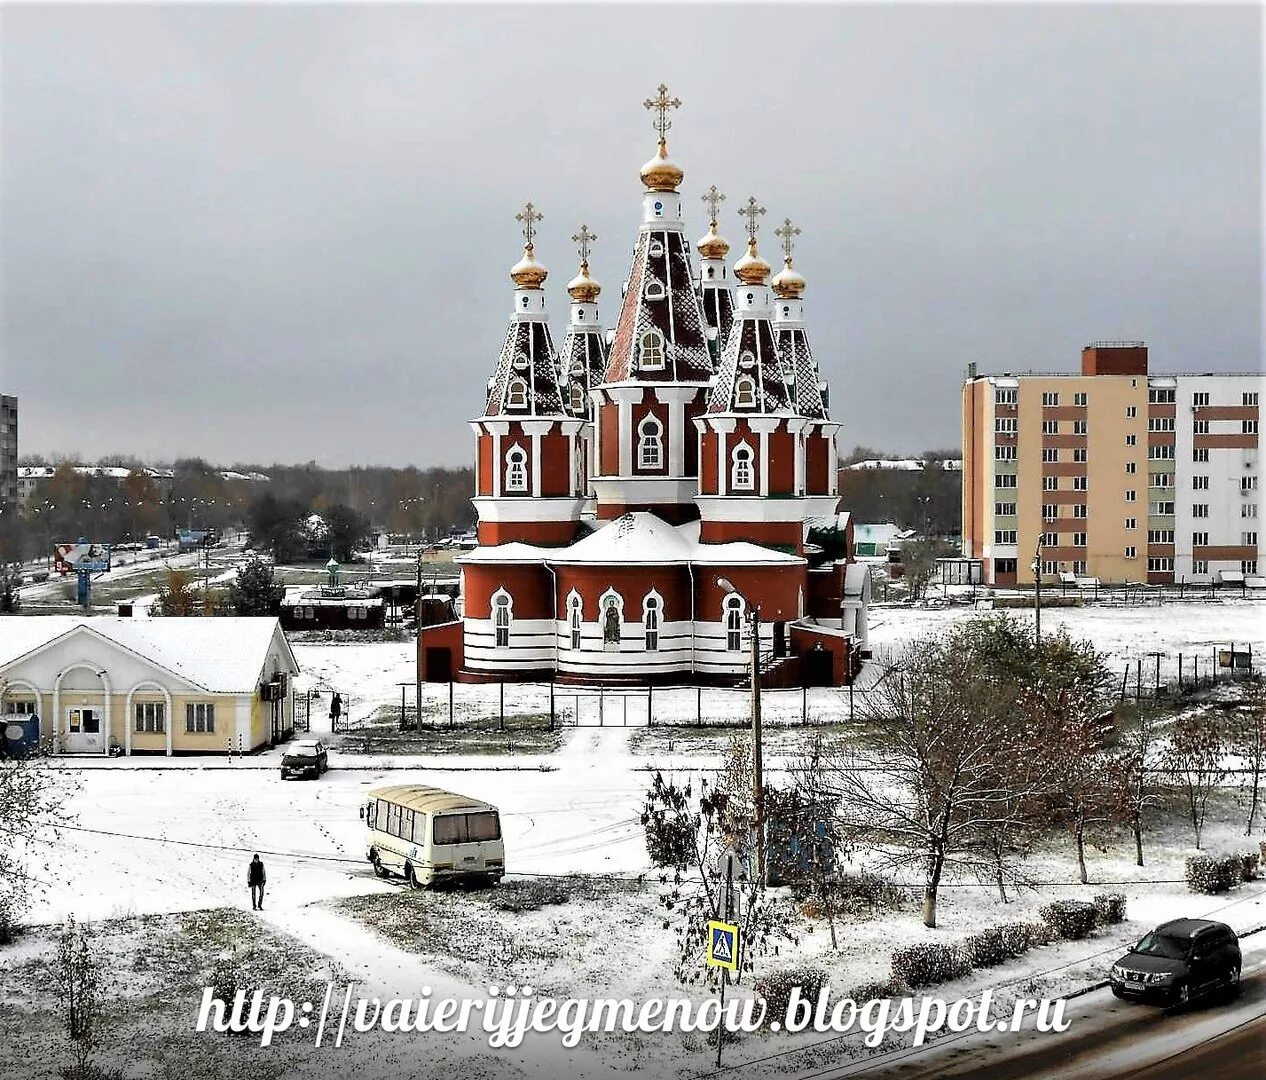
[584,238]
[661,105]
[714,199]
[752,212]
[529,217]
[787,233]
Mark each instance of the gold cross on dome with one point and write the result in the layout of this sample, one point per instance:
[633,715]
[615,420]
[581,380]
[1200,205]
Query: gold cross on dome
[529,217]
[661,105]
[787,233]
[584,238]
[752,212]
[714,199]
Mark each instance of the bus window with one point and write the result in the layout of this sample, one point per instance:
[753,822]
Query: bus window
[467,828]
[483,826]
[406,824]
[450,828]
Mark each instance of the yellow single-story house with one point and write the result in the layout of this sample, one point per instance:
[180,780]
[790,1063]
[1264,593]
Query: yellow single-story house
[163,686]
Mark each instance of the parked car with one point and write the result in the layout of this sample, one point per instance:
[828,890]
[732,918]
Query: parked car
[306,757]
[1178,962]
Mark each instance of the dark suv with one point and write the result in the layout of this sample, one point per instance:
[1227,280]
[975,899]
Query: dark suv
[1180,961]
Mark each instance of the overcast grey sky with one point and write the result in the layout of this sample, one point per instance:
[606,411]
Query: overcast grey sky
[281,233]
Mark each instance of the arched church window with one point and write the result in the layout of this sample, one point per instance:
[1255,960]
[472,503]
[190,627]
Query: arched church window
[742,476]
[712,271]
[580,315]
[516,394]
[747,360]
[654,290]
[652,609]
[733,623]
[786,311]
[502,613]
[745,393]
[650,444]
[612,608]
[656,249]
[651,351]
[516,469]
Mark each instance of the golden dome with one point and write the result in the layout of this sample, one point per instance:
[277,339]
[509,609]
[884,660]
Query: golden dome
[527,273]
[751,269]
[582,288]
[713,245]
[788,283]
[661,173]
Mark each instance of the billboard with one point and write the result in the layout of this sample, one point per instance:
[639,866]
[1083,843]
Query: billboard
[68,558]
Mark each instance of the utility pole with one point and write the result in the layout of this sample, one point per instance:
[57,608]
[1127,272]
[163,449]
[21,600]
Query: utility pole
[758,764]
[1036,567]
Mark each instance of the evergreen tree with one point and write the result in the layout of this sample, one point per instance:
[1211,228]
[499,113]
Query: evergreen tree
[255,592]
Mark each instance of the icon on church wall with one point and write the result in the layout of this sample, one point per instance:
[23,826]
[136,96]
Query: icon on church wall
[611,622]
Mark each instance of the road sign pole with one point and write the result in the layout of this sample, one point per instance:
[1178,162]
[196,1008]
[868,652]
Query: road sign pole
[721,975]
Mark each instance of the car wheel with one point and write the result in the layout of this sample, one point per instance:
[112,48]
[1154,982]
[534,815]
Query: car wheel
[411,877]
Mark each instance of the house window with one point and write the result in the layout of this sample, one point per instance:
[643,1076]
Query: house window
[1131,523]
[1081,483]
[651,352]
[1131,440]
[650,444]
[1248,566]
[1049,427]
[1004,397]
[1165,509]
[1079,455]
[516,469]
[1050,455]
[575,618]
[516,396]
[200,718]
[1050,539]
[1199,566]
[1131,495]
[1049,566]
[1199,510]
[1249,397]
[1160,396]
[1163,452]
[1200,427]
[652,607]
[1007,425]
[1200,483]
[1079,399]
[502,612]
[1050,483]
[1004,509]
[1200,454]
[1050,399]
[1160,565]
[1079,510]
[1131,468]
[1005,453]
[742,475]
[151,717]
[1131,412]
[745,392]
[733,623]
[1202,398]
[1049,511]
[1079,427]
[1162,480]
[1161,536]
[1006,480]
[1248,539]
[1004,536]
[1160,423]
[16,707]
[1079,567]
[1131,552]
[654,290]
[1079,539]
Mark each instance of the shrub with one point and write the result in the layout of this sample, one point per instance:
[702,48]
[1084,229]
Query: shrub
[1213,873]
[996,945]
[1261,848]
[1038,933]
[529,895]
[1070,919]
[1111,908]
[929,963]
[875,991]
[1249,863]
[775,988]
[868,893]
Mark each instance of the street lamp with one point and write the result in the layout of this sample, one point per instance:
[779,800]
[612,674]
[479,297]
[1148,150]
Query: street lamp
[758,769]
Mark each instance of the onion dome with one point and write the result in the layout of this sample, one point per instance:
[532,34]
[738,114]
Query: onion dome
[788,283]
[713,245]
[527,273]
[582,288]
[661,173]
[751,269]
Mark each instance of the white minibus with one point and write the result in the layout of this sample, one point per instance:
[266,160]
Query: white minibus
[425,835]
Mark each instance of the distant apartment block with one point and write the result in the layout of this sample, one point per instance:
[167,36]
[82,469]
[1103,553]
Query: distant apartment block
[31,478]
[1114,473]
[8,452]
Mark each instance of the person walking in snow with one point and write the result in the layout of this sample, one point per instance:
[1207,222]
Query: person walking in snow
[255,878]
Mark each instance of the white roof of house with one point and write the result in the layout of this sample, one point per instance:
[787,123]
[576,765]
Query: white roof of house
[220,655]
[905,464]
[640,539]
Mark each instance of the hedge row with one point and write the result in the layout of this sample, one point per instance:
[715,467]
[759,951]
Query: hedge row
[775,988]
[1218,873]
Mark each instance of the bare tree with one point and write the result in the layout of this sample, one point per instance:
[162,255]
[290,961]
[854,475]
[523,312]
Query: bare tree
[81,990]
[1128,771]
[1196,755]
[1248,742]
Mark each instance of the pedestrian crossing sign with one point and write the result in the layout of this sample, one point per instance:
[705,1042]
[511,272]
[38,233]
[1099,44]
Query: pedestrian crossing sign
[723,945]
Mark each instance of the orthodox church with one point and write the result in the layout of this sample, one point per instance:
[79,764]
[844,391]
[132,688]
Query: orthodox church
[643,491]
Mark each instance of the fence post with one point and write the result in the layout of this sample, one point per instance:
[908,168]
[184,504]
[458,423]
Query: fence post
[450,702]
[551,704]
[502,723]
[601,707]
[698,706]
[1138,680]
[403,718]
[1124,676]
[804,705]
[1158,660]
[650,706]
[1180,673]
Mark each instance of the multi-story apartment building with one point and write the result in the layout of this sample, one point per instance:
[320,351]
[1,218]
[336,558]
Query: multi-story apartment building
[1114,473]
[8,452]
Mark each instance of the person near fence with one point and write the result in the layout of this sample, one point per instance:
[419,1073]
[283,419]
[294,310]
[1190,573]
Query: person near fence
[256,878]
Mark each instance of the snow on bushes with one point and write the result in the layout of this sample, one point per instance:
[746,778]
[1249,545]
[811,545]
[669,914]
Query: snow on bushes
[875,991]
[1070,919]
[775,988]
[1110,907]
[997,945]
[929,963]
[1213,873]
[1249,863]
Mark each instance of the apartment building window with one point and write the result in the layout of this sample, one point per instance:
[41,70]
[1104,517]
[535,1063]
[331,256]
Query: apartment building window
[1004,397]
[1131,440]
[1248,427]
[1131,523]
[1200,427]
[1050,427]
[1004,566]
[1050,566]
[1079,566]
[1079,454]
[1200,399]
[1079,510]
[1131,412]
[1199,483]
[1050,398]
[1162,480]
[1248,510]
[1131,552]
[1162,509]
[1004,536]
[1157,395]
[1158,565]
[1248,566]
[1004,453]
[1160,423]
[1005,425]
[1131,495]
[1160,536]
[1079,399]
[1079,539]
[1248,483]
[1200,539]
[1164,452]
[1005,480]
[1049,511]
[1004,509]
[1050,539]
[1248,539]
[1081,483]
[1049,455]
[1079,427]
[1199,566]
[1050,483]
[1131,468]
[1200,454]
[1200,510]
[1249,397]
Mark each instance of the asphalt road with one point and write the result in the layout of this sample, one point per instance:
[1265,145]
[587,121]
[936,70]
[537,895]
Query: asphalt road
[1116,1040]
